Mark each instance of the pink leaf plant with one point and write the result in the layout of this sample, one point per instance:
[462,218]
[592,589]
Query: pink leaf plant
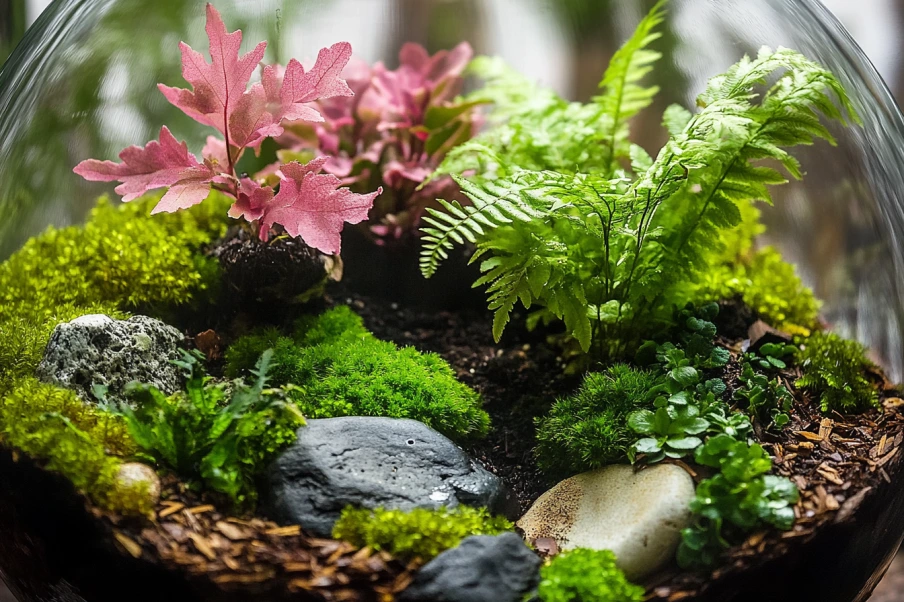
[394,132]
[305,202]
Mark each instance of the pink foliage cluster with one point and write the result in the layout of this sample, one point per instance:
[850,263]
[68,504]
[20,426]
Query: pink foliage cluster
[311,203]
[394,131]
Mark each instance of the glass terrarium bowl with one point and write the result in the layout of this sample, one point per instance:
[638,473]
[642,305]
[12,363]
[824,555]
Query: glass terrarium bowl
[83,84]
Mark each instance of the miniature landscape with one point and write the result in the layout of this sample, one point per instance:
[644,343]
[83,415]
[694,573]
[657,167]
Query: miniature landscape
[218,382]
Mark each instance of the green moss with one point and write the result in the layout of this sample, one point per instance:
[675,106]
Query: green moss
[122,256]
[589,429]
[77,440]
[340,369]
[420,533]
[338,323]
[244,353]
[586,576]
[835,369]
[120,259]
[768,284]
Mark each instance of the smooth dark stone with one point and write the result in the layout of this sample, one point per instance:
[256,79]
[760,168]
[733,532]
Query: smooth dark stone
[372,462]
[481,569]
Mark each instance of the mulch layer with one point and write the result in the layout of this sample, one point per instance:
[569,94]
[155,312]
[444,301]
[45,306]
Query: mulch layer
[836,462]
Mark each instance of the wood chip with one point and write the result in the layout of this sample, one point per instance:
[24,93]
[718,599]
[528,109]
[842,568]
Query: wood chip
[202,546]
[232,531]
[172,508]
[851,505]
[831,477]
[887,457]
[284,531]
[130,545]
[808,435]
[202,509]
[825,428]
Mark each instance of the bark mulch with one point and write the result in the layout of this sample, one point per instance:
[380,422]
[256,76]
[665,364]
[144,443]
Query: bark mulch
[254,556]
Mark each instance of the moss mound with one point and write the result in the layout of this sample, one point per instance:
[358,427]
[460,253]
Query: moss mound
[337,368]
[420,533]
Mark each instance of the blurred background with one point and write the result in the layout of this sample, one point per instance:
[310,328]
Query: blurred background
[571,65]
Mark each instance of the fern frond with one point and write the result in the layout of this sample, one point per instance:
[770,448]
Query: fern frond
[492,205]
[623,97]
[509,91]
[723,146]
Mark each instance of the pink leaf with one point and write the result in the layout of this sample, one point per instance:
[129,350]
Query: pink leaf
[313,206]
[284,94]
[252,200]
[217,86]
[166,163]
[323,80]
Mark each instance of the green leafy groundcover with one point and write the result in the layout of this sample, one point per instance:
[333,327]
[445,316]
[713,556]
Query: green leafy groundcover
[221,434]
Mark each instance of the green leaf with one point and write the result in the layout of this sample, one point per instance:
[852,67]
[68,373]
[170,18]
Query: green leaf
[685,376]
[685,444]
[647,446]
[641,421]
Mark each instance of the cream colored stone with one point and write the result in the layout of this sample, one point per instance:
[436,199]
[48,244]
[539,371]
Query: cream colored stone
[134,473]
[638,515]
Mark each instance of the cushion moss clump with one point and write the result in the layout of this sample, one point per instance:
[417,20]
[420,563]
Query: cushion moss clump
[419,533]
[121,256]
[767,284]
[338,369]
[589,429]
[834,368]
[588,576]
[78,440]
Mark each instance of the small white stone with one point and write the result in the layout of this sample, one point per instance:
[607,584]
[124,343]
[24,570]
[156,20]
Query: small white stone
[637,515]
[134,473]
[92,320]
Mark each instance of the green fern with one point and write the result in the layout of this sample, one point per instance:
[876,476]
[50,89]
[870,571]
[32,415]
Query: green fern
[623,97]
[535,129]
[610,257]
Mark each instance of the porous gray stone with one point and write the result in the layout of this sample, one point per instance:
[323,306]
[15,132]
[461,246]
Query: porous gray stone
[373,462]
[482,568]
[98,350]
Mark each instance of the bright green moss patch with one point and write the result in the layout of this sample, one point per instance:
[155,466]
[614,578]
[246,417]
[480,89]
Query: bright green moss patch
[75,439]
[340,369]
[588,576]
[835,369]
[420,533]
[589,429]
[121,257]
[768,284]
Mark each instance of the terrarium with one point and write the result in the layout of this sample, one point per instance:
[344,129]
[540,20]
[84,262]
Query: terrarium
[448,300]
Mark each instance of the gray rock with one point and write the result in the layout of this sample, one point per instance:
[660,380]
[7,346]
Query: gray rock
[370,463]
[98,350]
[481,569]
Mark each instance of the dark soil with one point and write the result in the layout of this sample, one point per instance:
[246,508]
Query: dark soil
[257,273]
